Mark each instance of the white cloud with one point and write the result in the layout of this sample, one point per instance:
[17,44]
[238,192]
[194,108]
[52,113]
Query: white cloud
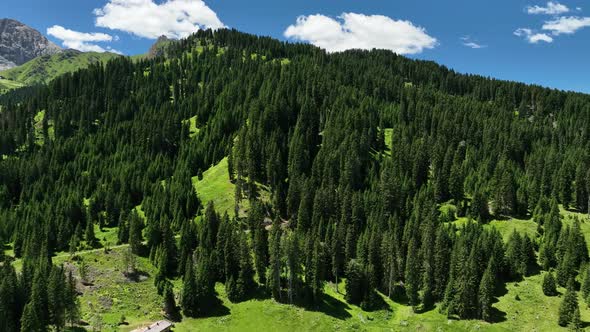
[553,8]
[358,31]
[467,41]
[566,25]
[148,19]
[81,41]
[533,37]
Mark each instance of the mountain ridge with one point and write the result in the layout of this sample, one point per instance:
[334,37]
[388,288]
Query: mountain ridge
[19,43]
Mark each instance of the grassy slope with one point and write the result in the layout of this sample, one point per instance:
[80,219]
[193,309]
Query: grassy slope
[45,68]
[215,186]
[6,85]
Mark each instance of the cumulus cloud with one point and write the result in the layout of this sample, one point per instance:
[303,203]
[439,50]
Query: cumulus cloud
[533,37]
[359,31]
[566,25]
[148,19]
[81,41]
[467,41]
[552,8]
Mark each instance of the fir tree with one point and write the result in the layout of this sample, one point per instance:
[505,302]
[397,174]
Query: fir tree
[486,293]
[549,287]
[568,306]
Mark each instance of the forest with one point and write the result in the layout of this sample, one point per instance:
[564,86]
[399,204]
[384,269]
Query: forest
[342,165]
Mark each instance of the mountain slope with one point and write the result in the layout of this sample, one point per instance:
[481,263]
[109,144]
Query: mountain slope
[47,67]
[20,43]
[432,199]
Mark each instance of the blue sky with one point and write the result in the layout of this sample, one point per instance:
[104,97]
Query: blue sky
[539,42]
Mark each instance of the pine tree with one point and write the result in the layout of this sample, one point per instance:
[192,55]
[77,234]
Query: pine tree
[189,300]
[89,234]
[568,306]
[135,233]
[355,282]
[169,301]
[72,304]
[274,270]
[549,287]
[30,321]
[56,295]
[260,253]
[486,293]
[246,274]
[412,274]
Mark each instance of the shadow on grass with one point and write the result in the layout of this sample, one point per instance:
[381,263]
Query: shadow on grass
[216,309]
[331,306]
[213,308]
[497,316]
[75,329]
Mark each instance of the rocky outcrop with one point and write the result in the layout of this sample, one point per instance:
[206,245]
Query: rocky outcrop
[20,43]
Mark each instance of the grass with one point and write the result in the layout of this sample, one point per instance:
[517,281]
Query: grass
[45,68]
[7,85]
[521,306]
[216,186]
[388,134]
[506,227]
[38,120]
[110,294]
[193,129]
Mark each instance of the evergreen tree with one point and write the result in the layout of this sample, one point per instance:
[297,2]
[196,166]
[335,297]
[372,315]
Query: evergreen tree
[568,306]
[412,274]
[549,287]
[189,298]
[486,293]
[56,288]
[135,233]
[274,270]
[261,260]
[355,282]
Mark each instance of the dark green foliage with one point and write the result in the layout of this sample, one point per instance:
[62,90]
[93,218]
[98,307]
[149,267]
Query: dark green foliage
[169,302]
[412,274]
[189,298]
[355,282]
[310,133]
[569,307]
[274,269]
[549,285]
[486,293]
[57,298]
[135,232]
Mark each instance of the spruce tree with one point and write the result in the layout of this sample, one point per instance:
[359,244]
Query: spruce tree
[486,293]
[412,274]
[56,295]
[568,306]
[274,270]
[549,287]
[189,300]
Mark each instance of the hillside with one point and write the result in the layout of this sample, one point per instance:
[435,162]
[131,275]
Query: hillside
[239,182]
[45,68]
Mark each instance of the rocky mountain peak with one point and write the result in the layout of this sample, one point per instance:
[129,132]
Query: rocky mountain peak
[20,43]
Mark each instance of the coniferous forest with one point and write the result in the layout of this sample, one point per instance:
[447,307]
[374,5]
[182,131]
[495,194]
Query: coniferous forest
[363,172]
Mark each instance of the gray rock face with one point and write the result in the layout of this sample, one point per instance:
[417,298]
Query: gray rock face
[20,43]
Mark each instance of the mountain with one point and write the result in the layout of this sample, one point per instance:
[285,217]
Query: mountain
[159,47]
[45,68]
[267,183]
[20,43]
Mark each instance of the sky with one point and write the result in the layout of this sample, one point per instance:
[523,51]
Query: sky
[531,41]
